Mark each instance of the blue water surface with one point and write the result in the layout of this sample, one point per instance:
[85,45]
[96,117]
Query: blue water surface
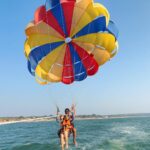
[105,134]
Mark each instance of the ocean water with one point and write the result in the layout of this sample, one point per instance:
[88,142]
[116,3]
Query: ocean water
[108,134]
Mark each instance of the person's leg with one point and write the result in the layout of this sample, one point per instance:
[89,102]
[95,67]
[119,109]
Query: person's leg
[74,135]
[62,141]
[66,139]
[59,134]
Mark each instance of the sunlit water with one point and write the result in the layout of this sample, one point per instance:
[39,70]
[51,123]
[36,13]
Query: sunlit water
[109,134]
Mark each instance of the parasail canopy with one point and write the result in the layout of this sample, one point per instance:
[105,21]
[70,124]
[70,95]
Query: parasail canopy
[68,40]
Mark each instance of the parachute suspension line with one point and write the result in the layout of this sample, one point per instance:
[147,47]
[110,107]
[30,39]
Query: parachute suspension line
[58,110]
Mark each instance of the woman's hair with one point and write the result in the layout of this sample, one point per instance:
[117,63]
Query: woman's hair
[66,117]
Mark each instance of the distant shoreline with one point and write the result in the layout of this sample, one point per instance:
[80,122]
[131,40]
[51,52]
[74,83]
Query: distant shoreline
[13,120]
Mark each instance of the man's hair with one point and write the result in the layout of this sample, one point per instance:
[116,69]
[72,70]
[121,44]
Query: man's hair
[67,109]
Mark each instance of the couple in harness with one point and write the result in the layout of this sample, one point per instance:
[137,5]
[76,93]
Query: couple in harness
[67,128]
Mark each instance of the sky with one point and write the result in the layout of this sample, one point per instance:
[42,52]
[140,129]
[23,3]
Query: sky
[121,86]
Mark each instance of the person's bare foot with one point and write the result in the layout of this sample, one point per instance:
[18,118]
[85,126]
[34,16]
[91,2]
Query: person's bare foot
[62,147]
[75,143]
[67,146]
[64,143]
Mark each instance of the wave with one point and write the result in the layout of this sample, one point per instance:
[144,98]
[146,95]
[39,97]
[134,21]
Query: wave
[36,146]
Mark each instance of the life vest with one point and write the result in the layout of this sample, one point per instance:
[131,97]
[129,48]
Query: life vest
[66,123]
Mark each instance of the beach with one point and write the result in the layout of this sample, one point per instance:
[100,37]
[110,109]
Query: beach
[11,120]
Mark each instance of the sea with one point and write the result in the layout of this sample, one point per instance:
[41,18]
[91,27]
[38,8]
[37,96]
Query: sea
[131,133]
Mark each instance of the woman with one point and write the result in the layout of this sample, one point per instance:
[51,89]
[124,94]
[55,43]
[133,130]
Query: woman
[64,131]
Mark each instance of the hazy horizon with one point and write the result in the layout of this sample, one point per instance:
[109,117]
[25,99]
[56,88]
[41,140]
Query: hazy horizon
[52,115]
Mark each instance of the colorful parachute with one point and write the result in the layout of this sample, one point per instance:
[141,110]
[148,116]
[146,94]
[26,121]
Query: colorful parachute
[68,40]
